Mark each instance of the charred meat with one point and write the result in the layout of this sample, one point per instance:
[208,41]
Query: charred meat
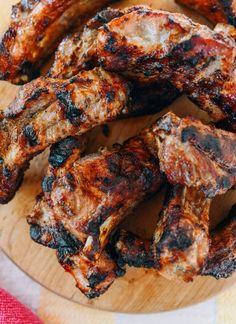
[196,155]
[35,30]
[217,11]
[47,110]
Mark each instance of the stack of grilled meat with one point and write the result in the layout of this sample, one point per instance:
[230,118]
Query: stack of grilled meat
[123,63]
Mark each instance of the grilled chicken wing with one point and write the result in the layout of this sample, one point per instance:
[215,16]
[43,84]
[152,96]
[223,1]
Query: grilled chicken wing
[181,239]
[196,155]
[47,110]
[76,51]
[221,260]
[35,30]
[217,11]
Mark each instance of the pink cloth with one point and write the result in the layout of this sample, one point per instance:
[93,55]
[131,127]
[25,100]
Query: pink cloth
[13,312]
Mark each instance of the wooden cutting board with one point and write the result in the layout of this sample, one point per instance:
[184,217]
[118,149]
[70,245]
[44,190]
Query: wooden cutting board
[140,290]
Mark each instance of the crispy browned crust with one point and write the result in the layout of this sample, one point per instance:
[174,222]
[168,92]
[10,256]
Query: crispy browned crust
[133,251]
[47,110]
[190,56]
[219,263]
[97,275]
[181,239]
[93,278]
[221,260]
[84,200]
[196,155]
[78,52]
[217,11]
[98,191]
[34,32]
[169,46]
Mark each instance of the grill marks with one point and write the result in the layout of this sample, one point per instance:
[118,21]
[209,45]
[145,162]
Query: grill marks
[48,110]
[165,47]
[172,47]
[23,50]
[106,187]
[181,239]
[221,260]
[196,155]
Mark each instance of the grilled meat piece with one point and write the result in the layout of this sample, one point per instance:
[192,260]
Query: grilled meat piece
[92,277]
[150,45]
[78,52]
[196,155]
[219,263]
[48,110]
[198,61]
[97,192]
[134,251]
[221,260]
[217,11]
[34,32]
[181,239]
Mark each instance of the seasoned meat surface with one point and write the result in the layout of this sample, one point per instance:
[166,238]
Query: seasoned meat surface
[181,239]
[92,277]
[148,45]
[34,32]
[83,200]
[134,251]
[165,47]
[95,195]
[196,155]
[221,260]
[217,11]
[47,110]
[78,52]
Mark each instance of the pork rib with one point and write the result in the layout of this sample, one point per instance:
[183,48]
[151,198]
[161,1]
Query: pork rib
[47,110]
[196,155]
[35,30]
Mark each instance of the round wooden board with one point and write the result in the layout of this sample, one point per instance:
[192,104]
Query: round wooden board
[139,291]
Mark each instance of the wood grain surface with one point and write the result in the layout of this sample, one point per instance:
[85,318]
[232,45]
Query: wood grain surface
[140,290]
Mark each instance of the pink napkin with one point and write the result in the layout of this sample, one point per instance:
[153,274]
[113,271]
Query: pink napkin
[13,312]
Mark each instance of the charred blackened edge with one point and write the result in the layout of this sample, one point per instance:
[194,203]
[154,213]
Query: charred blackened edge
[30,135]
[221,264]
[71,111]
[138,254]
[11,182]
[61,151]
[152,99]
[206,143]
[57,238]
[174,237]
[228,9]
